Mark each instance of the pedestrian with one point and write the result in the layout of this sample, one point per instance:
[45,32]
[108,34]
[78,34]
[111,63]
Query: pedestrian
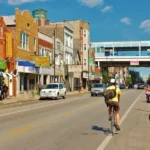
[1,93]
[39,87]
[80,87]
[5,90]
[147,93]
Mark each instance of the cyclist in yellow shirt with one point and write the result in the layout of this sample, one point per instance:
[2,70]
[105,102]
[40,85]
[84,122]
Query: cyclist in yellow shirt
[114,102]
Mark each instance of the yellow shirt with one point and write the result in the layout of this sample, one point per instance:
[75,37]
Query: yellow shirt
[118,92]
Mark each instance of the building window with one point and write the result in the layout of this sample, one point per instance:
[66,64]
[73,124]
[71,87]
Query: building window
[84,62]
[24,41]
[42,51]
[85,47]
[34,42]
[1,31]
[58,46]
[84,33]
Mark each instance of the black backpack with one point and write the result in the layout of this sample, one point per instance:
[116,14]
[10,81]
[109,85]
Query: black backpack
[110,94]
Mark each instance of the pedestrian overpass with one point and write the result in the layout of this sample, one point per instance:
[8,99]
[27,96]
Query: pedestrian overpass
[122,54]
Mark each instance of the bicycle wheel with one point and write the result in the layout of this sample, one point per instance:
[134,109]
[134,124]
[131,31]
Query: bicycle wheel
[113,125]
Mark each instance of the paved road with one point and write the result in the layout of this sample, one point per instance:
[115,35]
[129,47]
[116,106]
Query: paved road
[77,123]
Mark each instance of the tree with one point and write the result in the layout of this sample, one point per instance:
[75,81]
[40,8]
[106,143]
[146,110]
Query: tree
[105,77]
[148,80]
[128,80]
[135,76]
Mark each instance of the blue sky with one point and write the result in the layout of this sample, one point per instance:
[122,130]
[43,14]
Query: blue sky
[110,20]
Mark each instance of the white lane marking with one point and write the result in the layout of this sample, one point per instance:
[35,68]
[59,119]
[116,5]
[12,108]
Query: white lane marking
[109,137]
[47,105]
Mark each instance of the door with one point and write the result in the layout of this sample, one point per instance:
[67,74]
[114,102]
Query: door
[61,93]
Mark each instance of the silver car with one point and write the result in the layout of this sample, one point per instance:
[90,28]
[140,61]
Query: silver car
[98,89]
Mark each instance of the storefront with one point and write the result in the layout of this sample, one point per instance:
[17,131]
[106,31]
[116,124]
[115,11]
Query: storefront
[27,76]
[74,77]
[59,72]
[46,75]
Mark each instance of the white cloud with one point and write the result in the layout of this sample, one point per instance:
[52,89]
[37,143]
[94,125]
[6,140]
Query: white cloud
[145,25]
[91,3]
[106,9]
[126,20]
[18,2]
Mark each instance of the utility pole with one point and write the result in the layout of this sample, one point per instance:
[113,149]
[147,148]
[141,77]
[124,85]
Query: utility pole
[89,68]
[54,52]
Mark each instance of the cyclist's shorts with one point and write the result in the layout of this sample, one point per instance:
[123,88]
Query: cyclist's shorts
[115,105]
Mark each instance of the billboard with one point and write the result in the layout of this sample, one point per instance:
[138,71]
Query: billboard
[42,61]
[8,45]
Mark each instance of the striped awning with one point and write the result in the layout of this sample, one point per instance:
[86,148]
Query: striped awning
[2,74]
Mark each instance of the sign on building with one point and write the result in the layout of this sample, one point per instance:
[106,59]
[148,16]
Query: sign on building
[42,61]
[134,63]
[75,68]
[8,45]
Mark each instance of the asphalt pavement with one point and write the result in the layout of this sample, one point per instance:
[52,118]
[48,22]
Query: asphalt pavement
[76,123]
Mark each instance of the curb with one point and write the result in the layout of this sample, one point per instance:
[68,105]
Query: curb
[2,103]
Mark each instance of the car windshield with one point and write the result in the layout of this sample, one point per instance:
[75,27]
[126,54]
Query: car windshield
[51,86]
[98,86]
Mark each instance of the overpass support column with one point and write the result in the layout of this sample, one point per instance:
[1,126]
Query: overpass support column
[98,64]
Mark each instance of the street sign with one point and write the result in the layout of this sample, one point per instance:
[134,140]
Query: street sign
[42,61]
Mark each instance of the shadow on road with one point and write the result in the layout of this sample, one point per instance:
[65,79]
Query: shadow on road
[106,131]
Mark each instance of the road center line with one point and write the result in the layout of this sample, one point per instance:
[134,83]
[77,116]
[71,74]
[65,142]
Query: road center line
[109,137]
[21,130]
[43,106]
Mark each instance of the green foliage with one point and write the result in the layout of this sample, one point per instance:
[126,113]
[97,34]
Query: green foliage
[128,80]
[148,80]
[134,76]
[105,77]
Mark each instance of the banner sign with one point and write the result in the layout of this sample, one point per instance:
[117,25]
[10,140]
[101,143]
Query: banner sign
[74,68]
[8,45]
[42,61]
[3,64]
[134,63]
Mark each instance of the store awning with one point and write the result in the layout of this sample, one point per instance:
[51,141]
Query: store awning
[26,64]
[4,75]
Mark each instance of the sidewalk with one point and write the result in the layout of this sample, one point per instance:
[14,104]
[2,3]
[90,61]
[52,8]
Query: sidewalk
[135,130]
[26,98]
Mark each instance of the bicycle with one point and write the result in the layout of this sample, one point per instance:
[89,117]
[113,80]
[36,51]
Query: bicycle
[31,94]
[112,124]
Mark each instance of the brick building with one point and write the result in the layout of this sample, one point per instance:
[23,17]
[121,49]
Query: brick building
[7,61]
[25,33]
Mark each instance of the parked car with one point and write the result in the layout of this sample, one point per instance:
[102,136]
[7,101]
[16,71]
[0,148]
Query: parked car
[122,86]
[53,90]
[135,86]
[98,89]
[130,86]
[140,86]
